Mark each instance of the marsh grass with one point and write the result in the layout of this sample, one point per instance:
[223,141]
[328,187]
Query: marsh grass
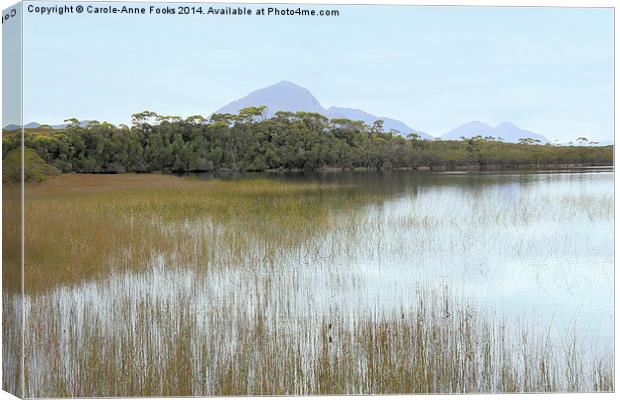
[154,285]
[108,223]
[159,349]
[12,328]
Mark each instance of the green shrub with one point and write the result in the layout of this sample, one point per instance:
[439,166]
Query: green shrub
[35,169]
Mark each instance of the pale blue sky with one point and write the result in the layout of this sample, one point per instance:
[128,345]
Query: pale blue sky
[549,70]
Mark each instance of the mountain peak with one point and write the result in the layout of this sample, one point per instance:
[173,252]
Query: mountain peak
[477,124]
[507,130]
[469,129]
[289,96]
[507,124]
[281,96]
[287,83]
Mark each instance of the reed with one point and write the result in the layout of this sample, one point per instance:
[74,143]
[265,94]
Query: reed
[155,285]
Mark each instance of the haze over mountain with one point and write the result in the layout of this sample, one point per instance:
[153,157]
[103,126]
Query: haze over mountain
[288,96]
[508,131]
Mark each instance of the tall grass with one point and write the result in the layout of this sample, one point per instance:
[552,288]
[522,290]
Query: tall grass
[158,285]
[12,311]
[111,223]
[140,346]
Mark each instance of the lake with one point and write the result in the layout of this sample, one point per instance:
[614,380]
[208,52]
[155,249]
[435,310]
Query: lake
[343,282]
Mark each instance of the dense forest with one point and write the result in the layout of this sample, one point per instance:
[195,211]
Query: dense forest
[250,142]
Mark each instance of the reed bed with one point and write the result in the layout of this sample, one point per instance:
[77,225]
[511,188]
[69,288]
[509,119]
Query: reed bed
[12,328]
[161,348]
[154,285]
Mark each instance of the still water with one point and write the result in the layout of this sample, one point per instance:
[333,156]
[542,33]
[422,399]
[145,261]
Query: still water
[532,250]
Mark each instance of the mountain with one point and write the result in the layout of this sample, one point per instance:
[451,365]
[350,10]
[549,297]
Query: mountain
[11,127]
[388,123]
[468,130]
[34,125]
[283,96]
[508,131]
[350,113]
[512,133]
[288,96]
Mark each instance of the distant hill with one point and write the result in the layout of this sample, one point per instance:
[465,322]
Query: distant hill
[35,125]
[388,123]
[11,127]
[350,113]
[470,129]
[507,131]
[288,96]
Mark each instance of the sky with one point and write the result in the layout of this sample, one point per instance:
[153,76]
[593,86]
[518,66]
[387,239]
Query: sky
[549,70]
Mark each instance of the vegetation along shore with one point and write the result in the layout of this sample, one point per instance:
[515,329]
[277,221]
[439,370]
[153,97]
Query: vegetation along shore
[250,142]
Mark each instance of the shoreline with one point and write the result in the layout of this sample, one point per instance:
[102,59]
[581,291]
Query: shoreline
[472,167]
[224,173]
[443,168]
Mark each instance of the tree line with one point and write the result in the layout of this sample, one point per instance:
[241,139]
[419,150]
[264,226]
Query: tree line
[248,141]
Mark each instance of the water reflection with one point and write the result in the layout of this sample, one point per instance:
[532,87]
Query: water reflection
[529,249]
